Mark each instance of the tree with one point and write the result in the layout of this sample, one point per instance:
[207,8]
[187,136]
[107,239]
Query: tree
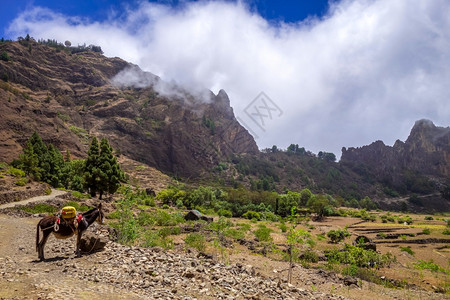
[109,170]
[67,43]
[286,202]
[274,149]
[91,171]
[52,165]
[305,195]
[367,203]
[29,161]
[102,172]
[317,204]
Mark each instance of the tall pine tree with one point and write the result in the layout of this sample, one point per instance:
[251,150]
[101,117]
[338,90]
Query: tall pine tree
[110,173]
[91,171]
[102,172]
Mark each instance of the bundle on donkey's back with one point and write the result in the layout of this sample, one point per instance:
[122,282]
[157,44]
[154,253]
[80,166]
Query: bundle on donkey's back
[66,224]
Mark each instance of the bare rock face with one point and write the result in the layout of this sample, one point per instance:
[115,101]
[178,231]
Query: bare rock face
[427,151]
[68,98]
[419,165]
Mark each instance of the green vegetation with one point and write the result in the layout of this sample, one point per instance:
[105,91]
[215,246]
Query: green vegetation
[407,250]
[99,173]
[430,265]
[337,236]
[39,208]
[358,256]
[4,56]
[263,233]
[102,173]
[426,231]
[196,241]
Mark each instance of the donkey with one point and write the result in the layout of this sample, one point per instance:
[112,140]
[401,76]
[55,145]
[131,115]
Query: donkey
[47,225]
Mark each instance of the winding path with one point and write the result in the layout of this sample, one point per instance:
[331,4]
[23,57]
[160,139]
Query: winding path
[53,195]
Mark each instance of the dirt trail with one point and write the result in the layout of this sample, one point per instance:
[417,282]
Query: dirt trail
[22,276]
[53,195]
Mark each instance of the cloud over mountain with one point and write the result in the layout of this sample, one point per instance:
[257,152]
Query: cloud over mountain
[365,71]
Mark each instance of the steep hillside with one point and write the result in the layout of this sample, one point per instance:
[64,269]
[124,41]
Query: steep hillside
[69,97]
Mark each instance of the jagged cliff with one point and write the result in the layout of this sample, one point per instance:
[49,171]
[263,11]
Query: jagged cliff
[425,154]
[69,97]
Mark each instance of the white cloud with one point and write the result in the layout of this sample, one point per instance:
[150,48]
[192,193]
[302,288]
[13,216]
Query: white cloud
[366,71]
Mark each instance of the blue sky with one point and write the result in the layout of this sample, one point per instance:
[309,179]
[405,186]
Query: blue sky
[341,73]
[99,10]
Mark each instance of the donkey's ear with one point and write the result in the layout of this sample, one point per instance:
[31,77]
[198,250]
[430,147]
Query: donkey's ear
[99,206]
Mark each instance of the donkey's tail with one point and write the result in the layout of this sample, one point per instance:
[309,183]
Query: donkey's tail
[37,236]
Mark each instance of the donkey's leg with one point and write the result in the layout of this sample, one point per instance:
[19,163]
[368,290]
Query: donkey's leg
[77,250]
[41,245]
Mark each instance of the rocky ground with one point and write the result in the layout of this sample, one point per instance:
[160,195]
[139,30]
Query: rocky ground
[123,272]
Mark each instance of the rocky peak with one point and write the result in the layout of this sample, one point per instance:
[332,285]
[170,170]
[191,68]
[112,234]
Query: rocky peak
[426,151]
[222,105]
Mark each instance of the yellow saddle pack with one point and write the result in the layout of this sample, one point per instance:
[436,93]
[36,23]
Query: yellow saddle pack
[68,212]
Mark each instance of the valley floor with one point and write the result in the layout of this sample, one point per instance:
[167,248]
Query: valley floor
[121,272]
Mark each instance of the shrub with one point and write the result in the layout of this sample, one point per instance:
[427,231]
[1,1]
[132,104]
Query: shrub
[351,270]
[310,256]
[196,241]
[263,233]
[155,239]
[360,257]
[149,202]
[145,219]
[428,218]
[224,213]
[252,215]
[166,231]
[429,265]
[163,218]
[4,56]
[320,237]
[283,227]
[165,206]
[21,182]
[179,204]
[234,233]
[269,216]
[426,231]
[39,208]
[446,232]
[16,172]
[80,195]
[382,235]
[338,235]
[408,220]
[407,250]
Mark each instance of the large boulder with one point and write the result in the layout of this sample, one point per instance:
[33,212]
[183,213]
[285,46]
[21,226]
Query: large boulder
[91,242]
[195,215]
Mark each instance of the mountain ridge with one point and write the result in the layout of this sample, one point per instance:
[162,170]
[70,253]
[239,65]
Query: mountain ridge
[70,97]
